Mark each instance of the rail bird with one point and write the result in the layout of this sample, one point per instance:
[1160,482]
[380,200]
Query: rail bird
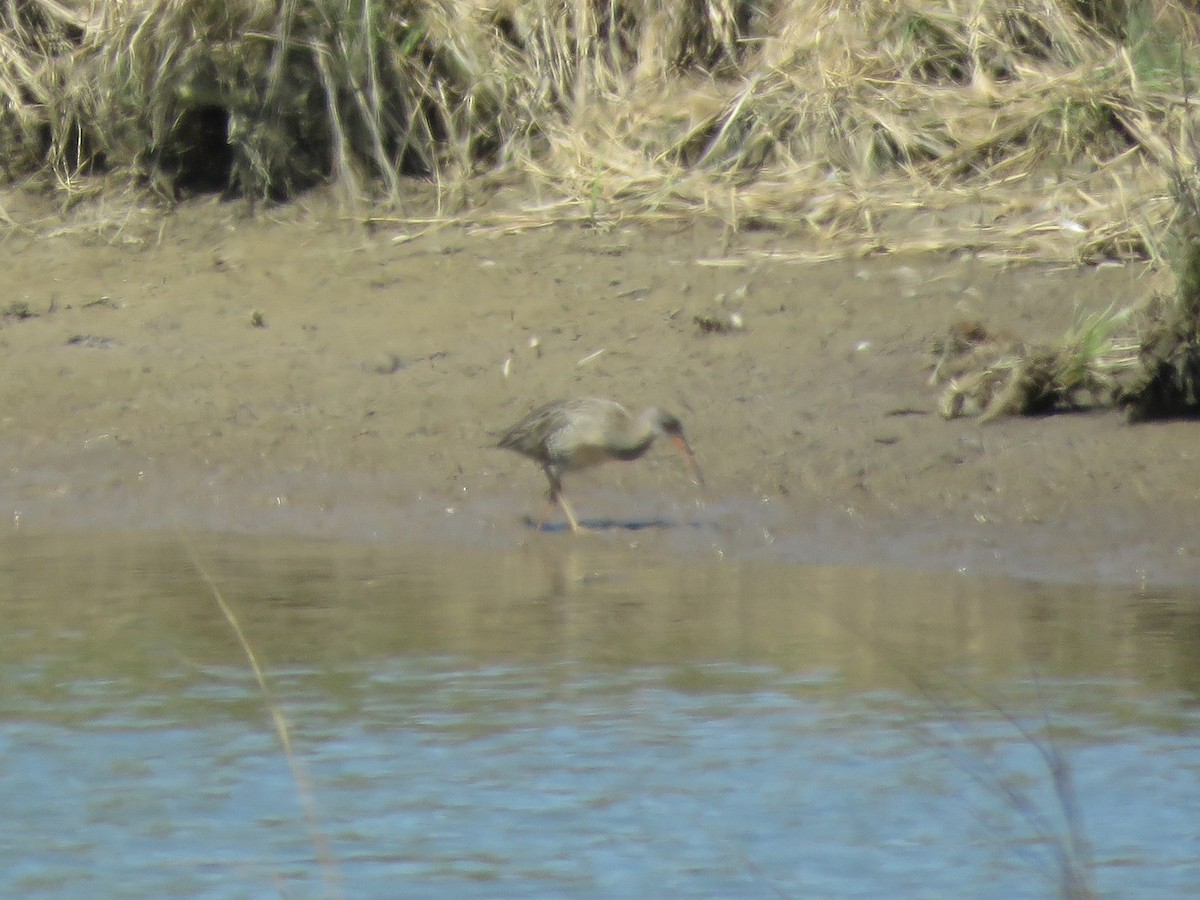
[575,434]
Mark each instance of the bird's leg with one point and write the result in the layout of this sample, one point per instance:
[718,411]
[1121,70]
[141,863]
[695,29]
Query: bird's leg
[566,508]
[556,496]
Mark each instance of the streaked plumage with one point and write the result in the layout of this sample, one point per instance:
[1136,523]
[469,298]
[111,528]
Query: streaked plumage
[575,434]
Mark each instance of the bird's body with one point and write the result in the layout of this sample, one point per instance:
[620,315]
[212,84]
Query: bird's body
[574,434]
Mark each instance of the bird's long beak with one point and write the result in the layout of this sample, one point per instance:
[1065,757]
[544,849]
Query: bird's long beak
[688,457]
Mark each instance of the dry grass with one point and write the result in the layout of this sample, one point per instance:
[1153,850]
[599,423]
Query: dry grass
[1026,130]
[992,374]
[300,775]
[1168,385]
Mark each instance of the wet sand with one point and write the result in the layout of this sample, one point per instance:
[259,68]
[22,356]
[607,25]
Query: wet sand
[294,373]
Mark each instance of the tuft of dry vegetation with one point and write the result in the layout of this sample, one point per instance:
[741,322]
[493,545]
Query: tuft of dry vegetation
[1033,129]
[990,374]
[1168,385]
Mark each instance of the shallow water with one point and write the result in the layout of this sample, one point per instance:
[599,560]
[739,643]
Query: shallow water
[582,718]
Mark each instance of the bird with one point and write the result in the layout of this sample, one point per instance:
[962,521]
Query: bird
[568,435]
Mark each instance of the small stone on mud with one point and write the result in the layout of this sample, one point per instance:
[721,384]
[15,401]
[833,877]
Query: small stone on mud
[384,364]
[725,323]
[19,310]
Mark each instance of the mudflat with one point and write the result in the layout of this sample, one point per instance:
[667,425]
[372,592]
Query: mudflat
[296,372]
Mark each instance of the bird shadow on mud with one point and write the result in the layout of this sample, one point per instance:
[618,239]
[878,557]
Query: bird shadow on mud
[610,524]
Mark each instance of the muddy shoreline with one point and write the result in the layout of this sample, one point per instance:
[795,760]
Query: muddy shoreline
[296,374]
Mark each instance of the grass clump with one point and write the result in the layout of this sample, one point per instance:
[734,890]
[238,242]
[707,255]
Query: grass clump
[268,102]
[991,374]
[1169,383]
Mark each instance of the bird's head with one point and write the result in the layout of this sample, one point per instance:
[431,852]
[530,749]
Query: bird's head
[665,423]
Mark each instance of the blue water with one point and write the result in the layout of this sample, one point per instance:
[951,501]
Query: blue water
[563,773]
[532,781]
